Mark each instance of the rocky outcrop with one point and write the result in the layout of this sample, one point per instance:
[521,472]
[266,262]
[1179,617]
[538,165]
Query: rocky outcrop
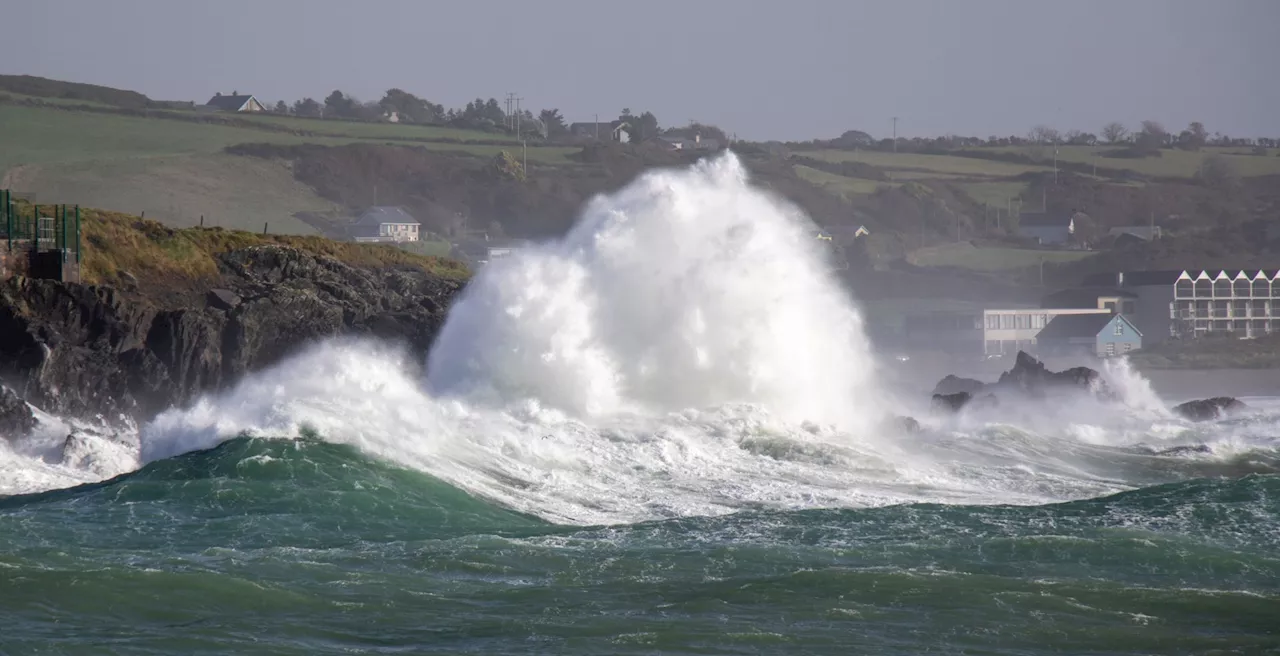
[951,402]
[83,350]
[16,418]
[1028,378]
[1031,377]
[1210,409]
[955,384]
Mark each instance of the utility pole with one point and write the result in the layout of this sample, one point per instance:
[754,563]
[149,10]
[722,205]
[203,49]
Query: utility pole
[597,127]
[895,134]
[517,117]
[1055,166]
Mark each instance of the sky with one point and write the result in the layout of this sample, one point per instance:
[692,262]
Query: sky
[793,70]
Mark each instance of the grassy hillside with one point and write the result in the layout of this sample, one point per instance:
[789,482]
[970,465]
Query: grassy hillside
[965,255]
[231,192]
[159,256]
[41,135]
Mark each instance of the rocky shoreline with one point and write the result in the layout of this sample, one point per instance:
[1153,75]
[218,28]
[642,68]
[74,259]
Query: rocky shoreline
[97,352]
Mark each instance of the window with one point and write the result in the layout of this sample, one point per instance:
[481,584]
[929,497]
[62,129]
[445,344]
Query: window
[1128,347]
[1024,321]
[993,322]
[1111,348]
[1119,328]
[993,347]
[1006,321]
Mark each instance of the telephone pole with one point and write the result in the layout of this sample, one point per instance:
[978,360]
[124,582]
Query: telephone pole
[517,118]
[895,134]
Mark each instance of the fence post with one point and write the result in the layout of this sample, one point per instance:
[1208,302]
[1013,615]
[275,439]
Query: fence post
[62,250]
[77,234]
[264,228]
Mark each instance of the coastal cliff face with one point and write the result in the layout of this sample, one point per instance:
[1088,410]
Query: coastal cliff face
[87,351]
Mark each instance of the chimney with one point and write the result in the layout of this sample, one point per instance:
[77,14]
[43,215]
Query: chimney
[1120,279]
[697,138]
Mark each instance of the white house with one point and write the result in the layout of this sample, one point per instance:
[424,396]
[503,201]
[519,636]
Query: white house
[386,223]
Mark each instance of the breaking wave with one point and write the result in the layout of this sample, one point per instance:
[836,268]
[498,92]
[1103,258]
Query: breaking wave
[682,351]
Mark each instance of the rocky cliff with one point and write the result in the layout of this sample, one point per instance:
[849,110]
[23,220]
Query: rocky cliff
[83,350]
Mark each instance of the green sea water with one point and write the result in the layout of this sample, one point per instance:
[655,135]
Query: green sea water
[304,547]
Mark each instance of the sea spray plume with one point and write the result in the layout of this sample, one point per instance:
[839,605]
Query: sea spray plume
[686,289]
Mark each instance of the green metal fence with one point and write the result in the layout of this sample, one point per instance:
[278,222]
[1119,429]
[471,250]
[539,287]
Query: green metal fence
[40,228]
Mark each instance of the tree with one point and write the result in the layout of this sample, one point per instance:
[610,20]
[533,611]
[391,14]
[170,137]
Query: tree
[1194,137]
[410,108]
[1152,136]
[1114,132]
[553,122]
[340,105]
[639,128]
[281,107]
[306,107]
[854,139]
[1044,134]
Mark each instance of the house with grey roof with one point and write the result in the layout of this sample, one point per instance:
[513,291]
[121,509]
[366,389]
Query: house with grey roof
[1145,233]
[235,103]
[386,223]
[1103,335]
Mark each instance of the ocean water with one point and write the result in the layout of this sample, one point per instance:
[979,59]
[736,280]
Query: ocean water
[663,434]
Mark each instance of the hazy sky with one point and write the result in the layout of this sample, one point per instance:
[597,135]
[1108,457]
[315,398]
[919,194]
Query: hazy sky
[795,69]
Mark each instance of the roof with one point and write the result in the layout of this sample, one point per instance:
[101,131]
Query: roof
[588,129]
[1082,297]
[386,214]
[1068,326]
[1133,278]
[1042,220]
[229,103]
[1141,232]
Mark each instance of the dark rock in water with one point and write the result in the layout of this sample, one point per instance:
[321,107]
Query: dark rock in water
[223,299]
[1184,450]
[955,384]
[83,350]
[986,401]
[1210,409]
[16,418]
[1030,376]
[908,424]
[951,402]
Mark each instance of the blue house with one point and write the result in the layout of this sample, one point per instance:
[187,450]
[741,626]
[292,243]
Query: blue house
[1103,335]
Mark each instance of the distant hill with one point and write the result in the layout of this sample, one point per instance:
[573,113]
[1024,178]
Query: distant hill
[40,87]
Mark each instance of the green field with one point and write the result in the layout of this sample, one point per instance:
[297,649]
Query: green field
[228,191]
[177,171]
[1171,163]
[995,194]
[967,256]
[33,135]
[362,130]
[935,164]
[839,184]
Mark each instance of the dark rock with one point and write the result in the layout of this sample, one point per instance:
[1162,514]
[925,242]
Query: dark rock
[954,384]
[16,418]
[1030,377]
[1210,409]
[1184,450]
[908,424]
[223,299]
[83,350]
[951,402]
